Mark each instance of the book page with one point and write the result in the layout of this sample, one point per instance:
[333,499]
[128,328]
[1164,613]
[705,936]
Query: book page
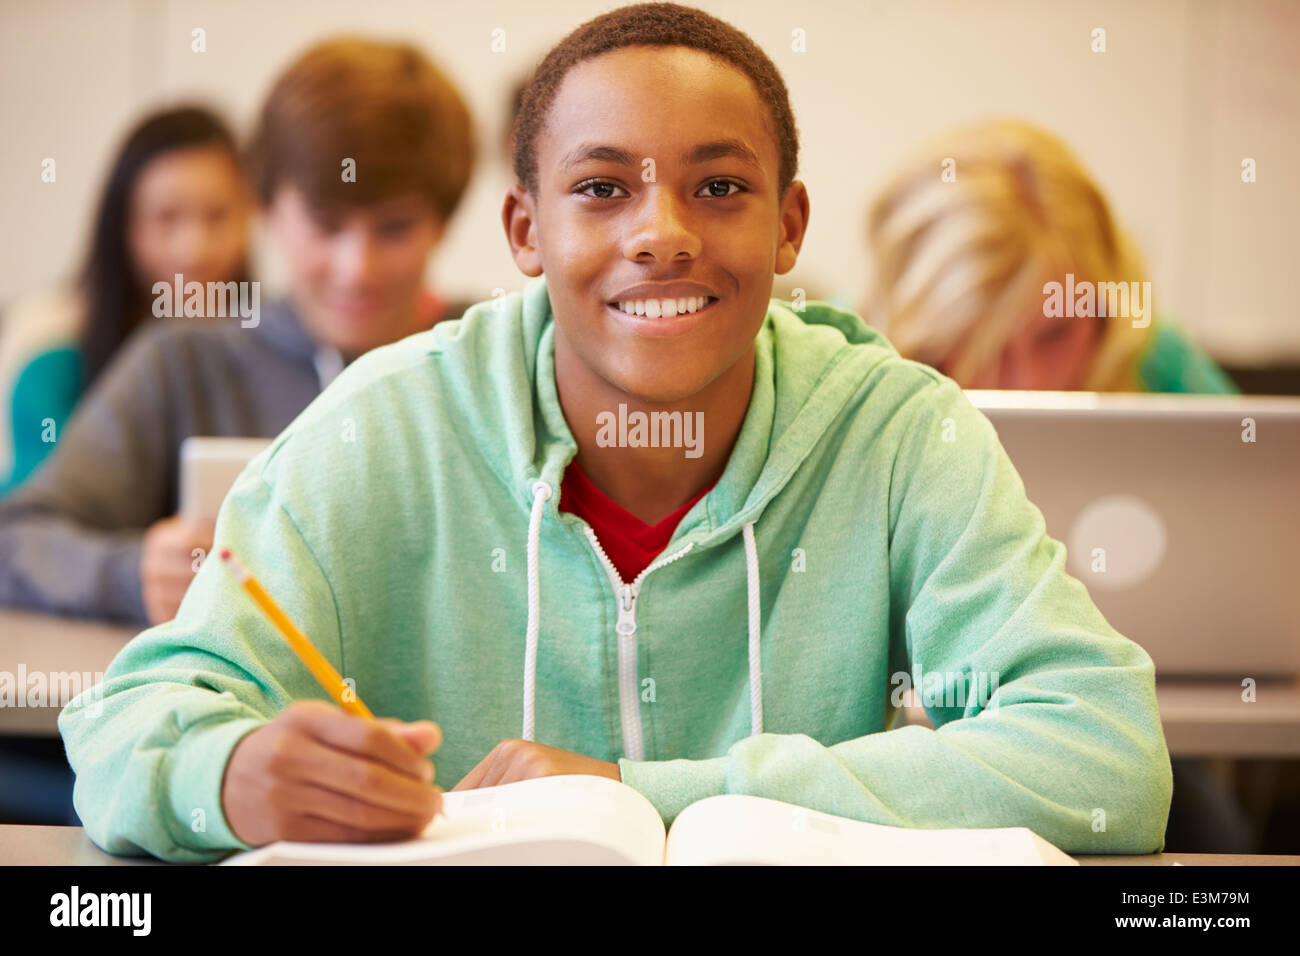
[561,820]
[742,830]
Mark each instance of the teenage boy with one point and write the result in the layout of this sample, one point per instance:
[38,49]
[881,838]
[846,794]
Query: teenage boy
[360,157]
[525,581]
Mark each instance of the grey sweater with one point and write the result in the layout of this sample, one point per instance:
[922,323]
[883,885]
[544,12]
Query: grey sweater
[70,536]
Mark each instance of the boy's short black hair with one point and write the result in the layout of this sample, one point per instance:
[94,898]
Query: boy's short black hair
[653,24]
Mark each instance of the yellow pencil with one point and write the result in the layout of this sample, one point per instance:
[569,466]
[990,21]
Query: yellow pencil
[316,663]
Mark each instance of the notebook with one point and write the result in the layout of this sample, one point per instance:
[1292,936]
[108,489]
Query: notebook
[575,819]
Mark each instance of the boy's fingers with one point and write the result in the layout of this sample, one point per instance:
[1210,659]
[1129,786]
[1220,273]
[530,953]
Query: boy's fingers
[177,565]
[310,829]
[364,738]
[424,735]
[501,771]
[172,578]
[316,801]
[369,781]
[176,551]
[471,779]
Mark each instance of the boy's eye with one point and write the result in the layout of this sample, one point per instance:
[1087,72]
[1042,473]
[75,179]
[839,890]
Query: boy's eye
[600,184]
[596,184]
[395,227]
[723,182]
[324,224]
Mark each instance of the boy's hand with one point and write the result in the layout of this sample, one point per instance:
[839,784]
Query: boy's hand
[167,564]
[318,774]
[513,760]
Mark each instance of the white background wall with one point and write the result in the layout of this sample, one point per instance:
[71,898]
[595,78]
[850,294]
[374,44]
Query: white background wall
[1163,118]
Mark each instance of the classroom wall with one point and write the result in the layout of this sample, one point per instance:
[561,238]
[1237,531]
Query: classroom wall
[1164,117]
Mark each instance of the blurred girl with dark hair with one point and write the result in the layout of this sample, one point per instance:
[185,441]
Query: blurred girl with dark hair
[175,202]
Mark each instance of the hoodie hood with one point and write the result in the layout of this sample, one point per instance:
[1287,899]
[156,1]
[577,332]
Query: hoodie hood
[806,369]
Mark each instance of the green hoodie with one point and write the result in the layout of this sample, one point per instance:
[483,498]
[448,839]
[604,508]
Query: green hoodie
[868,526]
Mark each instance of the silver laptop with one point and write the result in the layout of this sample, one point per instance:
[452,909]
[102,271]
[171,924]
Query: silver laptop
[1186,534]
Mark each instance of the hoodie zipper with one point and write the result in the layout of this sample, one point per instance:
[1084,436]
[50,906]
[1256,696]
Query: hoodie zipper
[625,596]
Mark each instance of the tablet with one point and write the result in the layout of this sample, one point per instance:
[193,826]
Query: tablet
[209,467]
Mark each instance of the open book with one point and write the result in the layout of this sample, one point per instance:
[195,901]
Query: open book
[579,819]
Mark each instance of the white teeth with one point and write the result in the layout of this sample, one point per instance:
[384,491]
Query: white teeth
[665,308]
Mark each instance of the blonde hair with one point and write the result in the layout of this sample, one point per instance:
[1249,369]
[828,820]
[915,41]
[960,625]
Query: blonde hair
[958,259]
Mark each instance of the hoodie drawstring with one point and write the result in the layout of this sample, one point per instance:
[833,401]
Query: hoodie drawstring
[755,630]
[541,494]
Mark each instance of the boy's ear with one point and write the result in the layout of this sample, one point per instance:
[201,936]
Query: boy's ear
[794,226]
[519,217]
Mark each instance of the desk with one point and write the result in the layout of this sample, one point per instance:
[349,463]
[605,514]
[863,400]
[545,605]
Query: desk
[1201,718]
[52,646]
[1209,719]
[69,846]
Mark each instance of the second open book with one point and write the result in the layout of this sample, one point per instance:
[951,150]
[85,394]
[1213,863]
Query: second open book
[577,819]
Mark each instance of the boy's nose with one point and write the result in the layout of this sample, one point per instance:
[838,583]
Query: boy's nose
[353,256]
[662,229]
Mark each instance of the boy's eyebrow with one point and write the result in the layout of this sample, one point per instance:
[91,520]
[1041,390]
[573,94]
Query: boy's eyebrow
[702,153]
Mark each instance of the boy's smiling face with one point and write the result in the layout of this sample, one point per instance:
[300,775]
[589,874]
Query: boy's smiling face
[709,224]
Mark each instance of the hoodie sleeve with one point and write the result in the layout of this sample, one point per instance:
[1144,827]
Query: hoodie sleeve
[71,535]
[150,744]
[1069,744]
